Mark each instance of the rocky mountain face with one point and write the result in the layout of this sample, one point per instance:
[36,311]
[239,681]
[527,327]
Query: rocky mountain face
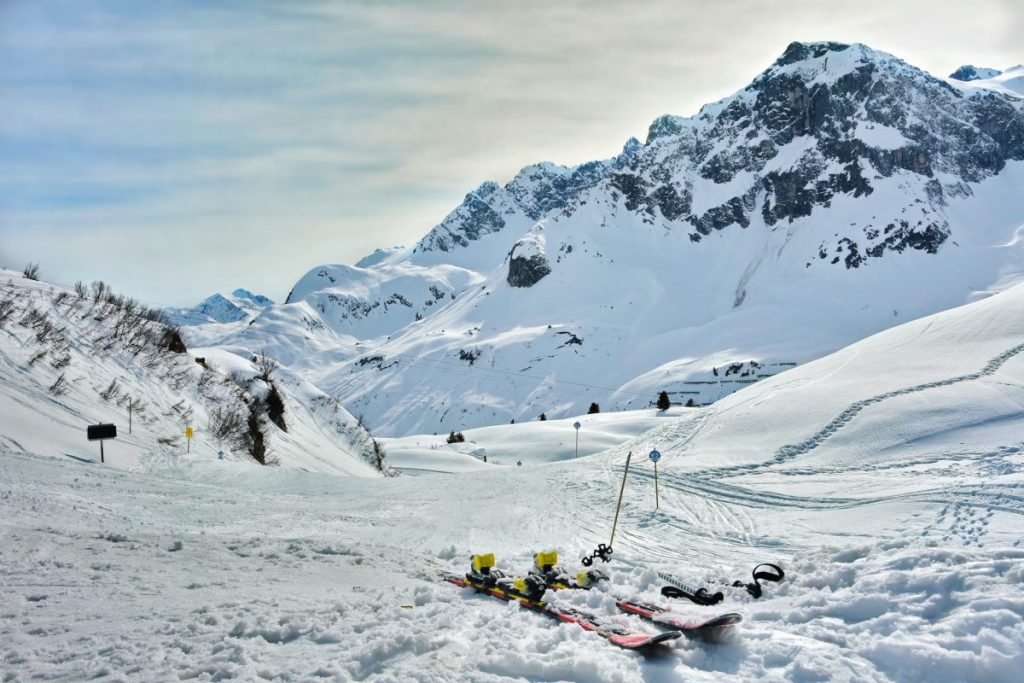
[857,116]
[841,192]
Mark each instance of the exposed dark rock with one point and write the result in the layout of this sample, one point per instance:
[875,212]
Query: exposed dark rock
[469,356]
[970,73]
[632,189]
[526,271]
[736,210]
[797,52]
[663,126]
[671,203]
[573,339]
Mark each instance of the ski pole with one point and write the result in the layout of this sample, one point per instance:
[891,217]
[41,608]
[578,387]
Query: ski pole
[618,505]
[605,551]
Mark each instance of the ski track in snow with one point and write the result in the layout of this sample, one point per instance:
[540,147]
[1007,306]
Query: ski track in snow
[1006,497]
[792,451]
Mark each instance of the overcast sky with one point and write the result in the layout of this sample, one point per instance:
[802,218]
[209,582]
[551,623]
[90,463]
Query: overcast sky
[175,149]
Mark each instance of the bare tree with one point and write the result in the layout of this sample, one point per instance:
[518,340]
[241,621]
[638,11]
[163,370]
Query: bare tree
[228,425]
[265,365]
[31,271]
[60,387]
[100,291]
[112,391]
[6,310]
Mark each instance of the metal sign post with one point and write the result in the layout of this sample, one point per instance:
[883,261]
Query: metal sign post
[188,439]
[101,432]
[655,456]
[576,425]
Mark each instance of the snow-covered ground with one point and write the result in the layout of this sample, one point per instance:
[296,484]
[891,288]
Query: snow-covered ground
[887,478]
[528,443]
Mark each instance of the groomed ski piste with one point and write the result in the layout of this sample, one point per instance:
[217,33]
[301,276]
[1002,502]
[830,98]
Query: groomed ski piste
[887,479]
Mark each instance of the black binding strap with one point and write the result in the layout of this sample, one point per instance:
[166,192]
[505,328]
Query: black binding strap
[701,596]
[776,574]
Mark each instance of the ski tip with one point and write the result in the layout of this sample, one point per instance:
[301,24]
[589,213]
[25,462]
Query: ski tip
[725,620]
[721,629]
[641,641]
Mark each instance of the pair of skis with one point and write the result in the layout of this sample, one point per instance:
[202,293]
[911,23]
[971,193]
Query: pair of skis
[528,592]
[712,629]
[613,633]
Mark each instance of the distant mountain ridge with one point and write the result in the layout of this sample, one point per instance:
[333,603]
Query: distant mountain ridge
[240,305]
[841,192]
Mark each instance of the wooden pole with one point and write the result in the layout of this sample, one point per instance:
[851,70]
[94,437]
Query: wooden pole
[101,451]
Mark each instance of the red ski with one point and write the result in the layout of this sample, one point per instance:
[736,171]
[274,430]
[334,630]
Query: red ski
[714,629]
[506,589]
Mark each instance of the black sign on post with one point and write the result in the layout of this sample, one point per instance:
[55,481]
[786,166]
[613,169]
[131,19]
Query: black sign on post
[101,432]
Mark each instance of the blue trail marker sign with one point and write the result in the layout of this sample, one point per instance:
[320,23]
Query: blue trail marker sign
[655,456]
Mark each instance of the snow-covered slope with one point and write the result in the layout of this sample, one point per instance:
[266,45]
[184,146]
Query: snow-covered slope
[886,478]
[528,443]
[842,192]
[372,302]
[68,360]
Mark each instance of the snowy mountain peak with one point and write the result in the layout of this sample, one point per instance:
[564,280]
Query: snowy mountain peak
[240,305]
[838,175]
[799,52]
[256,299]
[968,72]
[379,256]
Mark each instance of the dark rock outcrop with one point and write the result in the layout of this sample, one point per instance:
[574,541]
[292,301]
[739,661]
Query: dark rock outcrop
[526,269]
